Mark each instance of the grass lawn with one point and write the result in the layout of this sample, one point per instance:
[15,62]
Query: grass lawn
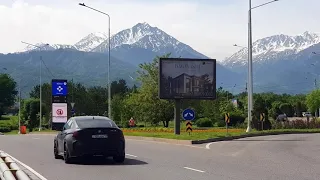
[214,133]
[160,132]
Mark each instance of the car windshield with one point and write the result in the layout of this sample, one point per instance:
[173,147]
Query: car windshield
[94,123]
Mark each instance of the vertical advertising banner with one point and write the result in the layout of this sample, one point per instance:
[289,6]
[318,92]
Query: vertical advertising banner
[59,102]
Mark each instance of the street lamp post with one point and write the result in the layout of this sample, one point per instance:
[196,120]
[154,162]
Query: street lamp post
[109,56]
[250,72]
[19,107]
[40,80]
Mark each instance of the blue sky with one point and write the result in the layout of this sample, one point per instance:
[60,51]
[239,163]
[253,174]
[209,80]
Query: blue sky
[209,26]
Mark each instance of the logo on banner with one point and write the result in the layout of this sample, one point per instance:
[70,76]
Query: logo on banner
[59,112]
[59,87]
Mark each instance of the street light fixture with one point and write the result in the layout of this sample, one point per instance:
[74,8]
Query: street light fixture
[109,84]
[250,73]
[40,79]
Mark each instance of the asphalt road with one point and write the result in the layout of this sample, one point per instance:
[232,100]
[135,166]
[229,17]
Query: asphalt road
[292,157]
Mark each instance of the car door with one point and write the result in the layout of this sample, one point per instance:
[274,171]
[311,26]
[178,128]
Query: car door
[61,135]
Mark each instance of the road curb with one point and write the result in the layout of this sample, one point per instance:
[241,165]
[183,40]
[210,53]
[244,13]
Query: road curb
[170,141]
[230,138]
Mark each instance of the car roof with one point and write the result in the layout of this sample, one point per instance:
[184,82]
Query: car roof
[91,117]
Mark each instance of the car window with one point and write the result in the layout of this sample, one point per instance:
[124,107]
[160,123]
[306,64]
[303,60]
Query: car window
[94,123]
[66,126]
[69,122]
[73,125]
[70,125]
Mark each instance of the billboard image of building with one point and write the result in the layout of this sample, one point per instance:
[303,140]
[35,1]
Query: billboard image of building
[187,78]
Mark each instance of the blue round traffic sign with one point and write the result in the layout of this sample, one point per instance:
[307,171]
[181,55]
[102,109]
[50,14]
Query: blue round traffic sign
[188,114]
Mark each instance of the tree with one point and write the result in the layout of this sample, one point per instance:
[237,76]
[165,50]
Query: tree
[30,113]
[145,104]
[275,109]
[7,92]
[97,98]
[119,87]
[299,107]
[117,109]
[258,108]
[313,100]
[287,109]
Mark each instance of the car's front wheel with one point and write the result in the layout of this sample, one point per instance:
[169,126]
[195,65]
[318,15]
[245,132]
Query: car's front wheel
[119,158]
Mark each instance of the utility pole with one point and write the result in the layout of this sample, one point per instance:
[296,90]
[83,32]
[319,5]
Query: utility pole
[19,132]
[315,88]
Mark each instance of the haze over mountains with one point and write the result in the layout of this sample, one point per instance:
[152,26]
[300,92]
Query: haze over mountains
[282,63]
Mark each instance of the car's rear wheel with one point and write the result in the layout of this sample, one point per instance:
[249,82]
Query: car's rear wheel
[55,151]
[119,158]
[66,155]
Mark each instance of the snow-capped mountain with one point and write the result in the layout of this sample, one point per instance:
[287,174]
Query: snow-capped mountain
[47,47]
[91,41]
[273,48]
[145,36]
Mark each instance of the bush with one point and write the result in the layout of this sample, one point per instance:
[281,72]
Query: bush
[7,126]
[296,124]
[204,122]
[236,119]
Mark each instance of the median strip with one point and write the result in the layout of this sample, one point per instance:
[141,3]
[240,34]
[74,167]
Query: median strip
[35,173]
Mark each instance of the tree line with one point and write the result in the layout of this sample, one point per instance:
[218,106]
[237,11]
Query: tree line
[142,103]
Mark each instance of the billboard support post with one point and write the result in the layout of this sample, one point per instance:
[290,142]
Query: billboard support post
[185,78]
[177,107]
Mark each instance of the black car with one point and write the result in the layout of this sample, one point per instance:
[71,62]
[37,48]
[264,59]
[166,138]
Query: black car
[89,136]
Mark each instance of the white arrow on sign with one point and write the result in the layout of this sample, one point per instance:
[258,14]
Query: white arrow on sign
[190,114]
[72,104]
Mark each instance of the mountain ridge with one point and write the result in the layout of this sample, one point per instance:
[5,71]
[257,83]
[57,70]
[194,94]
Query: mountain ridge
[273,48]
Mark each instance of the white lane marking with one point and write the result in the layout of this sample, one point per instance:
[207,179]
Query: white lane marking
[29,168]
[194,169]
[159,142]
[35,138]
[208,145]
[131,155]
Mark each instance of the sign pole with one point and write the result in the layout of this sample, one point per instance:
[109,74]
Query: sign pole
[262,119]
[227,127]
[188,115]
[227,120]
[177,116]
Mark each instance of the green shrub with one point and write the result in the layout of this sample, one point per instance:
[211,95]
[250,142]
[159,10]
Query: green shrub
[296,124]
[236,119]
[204,122]
[5,126]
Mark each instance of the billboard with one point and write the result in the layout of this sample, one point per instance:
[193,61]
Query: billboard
[182,78]
[59,87]
[59,112]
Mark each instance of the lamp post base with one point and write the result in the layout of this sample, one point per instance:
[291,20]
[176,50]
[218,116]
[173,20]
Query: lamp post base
[248,129]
